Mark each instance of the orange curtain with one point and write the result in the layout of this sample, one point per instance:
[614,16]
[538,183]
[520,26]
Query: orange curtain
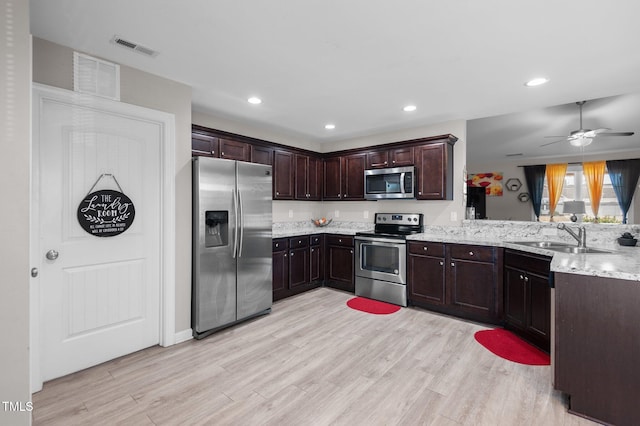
[555,181]
[594,175]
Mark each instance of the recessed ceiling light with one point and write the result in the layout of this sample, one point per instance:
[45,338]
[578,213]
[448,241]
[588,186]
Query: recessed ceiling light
[409,108]
[254,100]
[329,126]
[536,82]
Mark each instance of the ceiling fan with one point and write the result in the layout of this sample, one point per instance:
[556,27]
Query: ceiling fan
[583,137]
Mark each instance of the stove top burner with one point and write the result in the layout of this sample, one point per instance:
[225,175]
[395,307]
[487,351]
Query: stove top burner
[395,225]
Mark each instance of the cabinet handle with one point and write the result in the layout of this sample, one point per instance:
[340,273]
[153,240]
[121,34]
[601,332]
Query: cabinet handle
[526,279]
[299,241]
[339,195]
[419,192]
[277,245]
[394,162]
[339,241]
[424,248]
[277,193]
[441,263]
[351,251]
[222,154]
[291,254]
[470,253]
[378,164]
[285,255]
[312,250]
[213,152]
[521,277]
[453,264]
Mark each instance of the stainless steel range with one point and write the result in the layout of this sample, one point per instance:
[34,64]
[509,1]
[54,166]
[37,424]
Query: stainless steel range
[381,257]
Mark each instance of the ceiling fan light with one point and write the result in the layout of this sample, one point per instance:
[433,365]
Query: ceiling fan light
[580,141]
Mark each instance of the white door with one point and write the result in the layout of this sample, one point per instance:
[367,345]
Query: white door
[100,298]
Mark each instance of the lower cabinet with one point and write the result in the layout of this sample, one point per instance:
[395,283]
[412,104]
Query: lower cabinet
[527,296]
[339,263]
[457,279]
[296,265]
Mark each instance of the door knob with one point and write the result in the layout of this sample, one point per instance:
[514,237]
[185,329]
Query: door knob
[52,254]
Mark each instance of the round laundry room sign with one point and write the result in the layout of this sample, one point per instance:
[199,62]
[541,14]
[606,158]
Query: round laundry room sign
[106,213]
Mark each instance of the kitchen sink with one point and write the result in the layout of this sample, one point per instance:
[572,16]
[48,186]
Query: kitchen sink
[559,247]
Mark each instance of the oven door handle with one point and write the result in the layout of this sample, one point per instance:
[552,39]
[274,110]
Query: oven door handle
[385,241]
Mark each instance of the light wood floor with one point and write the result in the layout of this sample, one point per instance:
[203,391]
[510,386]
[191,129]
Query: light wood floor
[313,361]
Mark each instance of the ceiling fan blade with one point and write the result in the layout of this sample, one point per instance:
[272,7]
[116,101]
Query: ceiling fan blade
[617,134]
[593,133]
[551,143]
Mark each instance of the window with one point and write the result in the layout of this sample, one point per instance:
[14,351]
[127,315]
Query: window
[575,188]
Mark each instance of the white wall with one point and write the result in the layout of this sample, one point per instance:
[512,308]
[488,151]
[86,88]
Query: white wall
[15,177]
[53,65]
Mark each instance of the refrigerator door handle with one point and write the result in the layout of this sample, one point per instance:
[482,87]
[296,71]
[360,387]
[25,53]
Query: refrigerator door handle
[241,220]
[235,228]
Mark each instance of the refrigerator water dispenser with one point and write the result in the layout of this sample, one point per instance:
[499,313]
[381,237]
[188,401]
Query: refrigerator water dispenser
[216,228]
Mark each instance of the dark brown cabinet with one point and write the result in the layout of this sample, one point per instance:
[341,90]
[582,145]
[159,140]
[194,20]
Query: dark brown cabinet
[298,261]
[434,171]
[204,145]
[332,179]
[457,279]
[426,273]
[339,264]
[392,157]
[234,150]
[308,177]
[280,268]
[597,344]
[344,177]
[283,169]
[261,155]
[527,296]
[353,177]
[316,271]
[297,265]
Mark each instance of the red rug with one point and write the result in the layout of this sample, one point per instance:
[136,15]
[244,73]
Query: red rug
[507,345]
[372,306]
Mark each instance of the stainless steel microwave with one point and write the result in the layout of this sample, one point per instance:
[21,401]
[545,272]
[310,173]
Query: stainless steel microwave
[396,182]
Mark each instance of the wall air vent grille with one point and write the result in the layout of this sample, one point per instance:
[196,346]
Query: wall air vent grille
[96,76]
[119,41]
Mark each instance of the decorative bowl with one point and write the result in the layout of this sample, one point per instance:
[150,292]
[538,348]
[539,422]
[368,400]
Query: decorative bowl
[631,242]
[321,222]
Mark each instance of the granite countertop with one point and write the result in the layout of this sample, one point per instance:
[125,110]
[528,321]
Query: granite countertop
[621,263]
[292,229]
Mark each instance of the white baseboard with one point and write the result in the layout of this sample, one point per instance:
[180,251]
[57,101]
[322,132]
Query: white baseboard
[183,336]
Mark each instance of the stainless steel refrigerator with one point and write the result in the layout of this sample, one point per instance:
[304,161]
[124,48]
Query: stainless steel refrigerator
[231,243]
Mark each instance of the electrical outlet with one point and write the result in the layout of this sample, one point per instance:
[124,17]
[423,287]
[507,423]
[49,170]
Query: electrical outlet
[290,213]
[336,213]
[366,214]
[454,216]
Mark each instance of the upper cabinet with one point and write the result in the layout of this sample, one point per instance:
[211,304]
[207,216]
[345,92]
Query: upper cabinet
[344,178]
[300,174]
[261,155]
[234,150]
[204,145]
[434,171]
[283,169]
[392,157]
[308,177]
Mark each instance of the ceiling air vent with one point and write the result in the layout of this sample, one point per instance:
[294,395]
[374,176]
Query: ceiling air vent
[134,46]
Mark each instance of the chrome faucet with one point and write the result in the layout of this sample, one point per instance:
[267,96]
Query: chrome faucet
[581,236]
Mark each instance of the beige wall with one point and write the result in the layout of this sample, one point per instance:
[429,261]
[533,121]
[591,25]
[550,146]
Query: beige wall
[15,176]
[246,129]
[53,65]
